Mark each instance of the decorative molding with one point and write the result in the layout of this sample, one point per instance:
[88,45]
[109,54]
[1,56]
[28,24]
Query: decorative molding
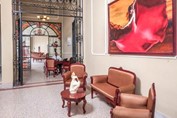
[106,30]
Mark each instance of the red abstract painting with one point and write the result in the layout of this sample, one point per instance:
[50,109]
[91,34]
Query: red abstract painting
[142,27]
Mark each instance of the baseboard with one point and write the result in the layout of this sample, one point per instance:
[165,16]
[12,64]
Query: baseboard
[160,115]
[6,85]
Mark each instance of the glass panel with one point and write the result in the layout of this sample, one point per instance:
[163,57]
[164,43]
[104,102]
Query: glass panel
[43,26]
[54,45]
[51,32]
[39,31]
[34,26]
[52,51]
[26,41]
[27,31]
[26,53]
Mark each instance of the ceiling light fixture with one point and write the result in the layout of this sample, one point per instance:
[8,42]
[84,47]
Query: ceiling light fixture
[43,18]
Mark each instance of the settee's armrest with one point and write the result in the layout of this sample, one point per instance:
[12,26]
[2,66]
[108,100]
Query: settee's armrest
[66,76]
[98,78]
[132,100]
[127,89]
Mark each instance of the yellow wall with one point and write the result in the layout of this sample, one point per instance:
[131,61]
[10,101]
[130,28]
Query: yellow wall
[161,70]
[7,45]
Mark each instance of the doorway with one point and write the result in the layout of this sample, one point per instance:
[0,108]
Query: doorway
[58,8]
[38,38]
[33,72]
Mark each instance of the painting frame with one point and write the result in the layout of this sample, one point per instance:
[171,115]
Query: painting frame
[116,34]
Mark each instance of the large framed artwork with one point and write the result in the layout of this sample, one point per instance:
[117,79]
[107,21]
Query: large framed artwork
[142,27]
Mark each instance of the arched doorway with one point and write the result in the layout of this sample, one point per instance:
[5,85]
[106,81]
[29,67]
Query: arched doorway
[64,8]
[32,43]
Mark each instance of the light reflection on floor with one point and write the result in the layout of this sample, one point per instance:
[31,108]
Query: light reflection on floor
[37,75]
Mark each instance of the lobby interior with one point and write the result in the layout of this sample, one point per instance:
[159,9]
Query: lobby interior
[149,69]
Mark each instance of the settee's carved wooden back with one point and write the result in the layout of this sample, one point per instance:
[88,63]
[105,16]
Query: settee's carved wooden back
[119,77]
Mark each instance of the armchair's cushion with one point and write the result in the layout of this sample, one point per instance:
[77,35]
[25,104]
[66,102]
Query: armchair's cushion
[106,89]
[119,77]
[122,112]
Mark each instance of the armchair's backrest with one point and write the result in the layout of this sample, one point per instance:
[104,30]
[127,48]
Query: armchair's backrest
[119,77]
[78,68]
[50,63]
[152,99]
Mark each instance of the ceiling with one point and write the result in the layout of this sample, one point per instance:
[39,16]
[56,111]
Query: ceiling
[55,9]
[33,17]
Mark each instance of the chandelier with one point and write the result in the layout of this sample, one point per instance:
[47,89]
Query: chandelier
[43,18]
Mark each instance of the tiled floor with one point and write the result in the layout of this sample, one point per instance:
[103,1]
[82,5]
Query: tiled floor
[40,98]
[45,102]
[37,75]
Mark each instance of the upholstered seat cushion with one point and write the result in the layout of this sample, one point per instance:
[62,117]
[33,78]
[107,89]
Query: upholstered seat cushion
[106,89]
[123,112]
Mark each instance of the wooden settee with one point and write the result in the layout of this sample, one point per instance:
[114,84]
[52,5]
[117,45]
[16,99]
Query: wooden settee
[117,80]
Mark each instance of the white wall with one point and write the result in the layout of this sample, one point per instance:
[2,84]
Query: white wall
[160,70]
[67,33]
[0,36]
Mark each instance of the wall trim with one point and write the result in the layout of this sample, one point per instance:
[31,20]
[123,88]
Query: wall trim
[6,85]
[160,115]
[106,30]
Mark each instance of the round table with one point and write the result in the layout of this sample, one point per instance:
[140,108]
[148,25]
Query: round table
[76,97]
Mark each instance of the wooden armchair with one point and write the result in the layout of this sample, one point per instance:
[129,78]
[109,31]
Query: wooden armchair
[135,106]
[50,66]
[80,71]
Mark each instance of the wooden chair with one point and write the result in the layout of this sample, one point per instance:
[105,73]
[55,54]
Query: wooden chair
[50,66]
[135,106]
[80,71]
